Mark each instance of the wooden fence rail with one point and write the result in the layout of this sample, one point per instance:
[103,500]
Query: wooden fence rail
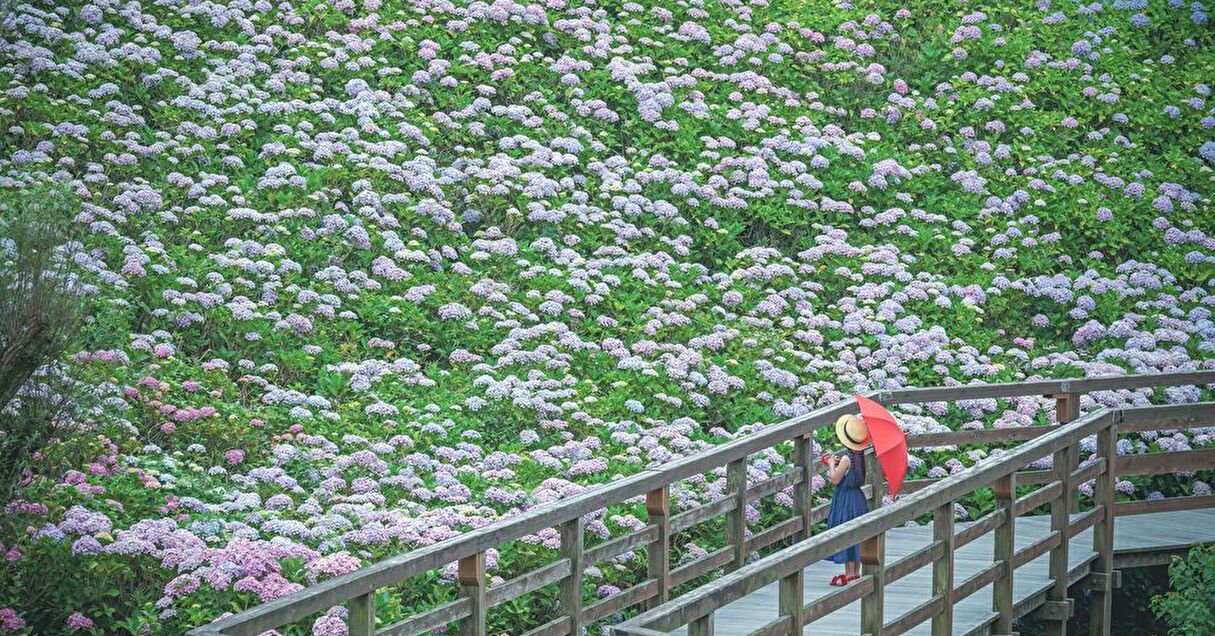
[475,598]
[1057,488]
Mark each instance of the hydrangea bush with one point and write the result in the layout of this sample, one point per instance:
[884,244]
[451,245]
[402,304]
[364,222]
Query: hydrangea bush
[370,274]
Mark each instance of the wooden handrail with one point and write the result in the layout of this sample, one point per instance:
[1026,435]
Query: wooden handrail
[1059,491]
[704,600]
[361,585]
[1044,387]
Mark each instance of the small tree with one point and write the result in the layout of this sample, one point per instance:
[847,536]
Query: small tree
[1189,606]
[40,317]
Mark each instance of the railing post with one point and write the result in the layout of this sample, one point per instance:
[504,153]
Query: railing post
[1101,602]
[873,557]
[792,599]
[803,494]
[1005,546]
[1067,409]
[702,626]
[875,479]
[1058,607]
[942,570]
[658,508]
[470,573]
[571,587]
[736,520]
[360,617]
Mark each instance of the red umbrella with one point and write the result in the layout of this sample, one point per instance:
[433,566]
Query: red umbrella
[889,442]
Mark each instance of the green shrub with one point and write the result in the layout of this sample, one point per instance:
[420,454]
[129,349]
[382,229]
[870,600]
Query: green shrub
[41,311]
[1189,606]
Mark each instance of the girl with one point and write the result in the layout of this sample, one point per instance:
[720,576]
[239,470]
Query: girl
[847,472]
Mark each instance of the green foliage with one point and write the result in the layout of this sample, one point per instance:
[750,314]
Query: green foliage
[1189,606]
[41,312]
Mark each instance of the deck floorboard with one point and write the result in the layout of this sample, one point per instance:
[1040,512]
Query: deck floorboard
[972,615]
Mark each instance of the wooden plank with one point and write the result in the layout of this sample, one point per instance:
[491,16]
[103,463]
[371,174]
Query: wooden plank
[360,615]
[1035,477]
[1147,559]
[873,604]
[914,617]
[732,586]
[1064,463]
[772,485]
[980,527]
[1067,406]
[875,480]
[782,530]
[1164,463]
[1024,478]
[470,576]
[528,582]
[622,544]
[619,601]
[621,630]
[557,627]
[803,497]
[1128,508]
[1057,612]
[1085,521]
[790,603]
[702,626]
[837,598]
[1045,387]
[978,581]
[1174,416]
[1038,498]
[570,600]
[701,514]
[1101,600]
[781,626]
[1035,549]
[942,569]
[703,565]
[736,519]
[930,553]
[1004,548]
[429,620]
[978,436]
[658,566]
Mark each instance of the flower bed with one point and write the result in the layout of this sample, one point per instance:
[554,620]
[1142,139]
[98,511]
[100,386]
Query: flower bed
[370,274]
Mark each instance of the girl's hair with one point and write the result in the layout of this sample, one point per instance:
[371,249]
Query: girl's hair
[858,459]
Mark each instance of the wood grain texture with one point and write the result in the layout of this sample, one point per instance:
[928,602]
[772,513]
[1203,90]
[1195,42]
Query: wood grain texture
[571,587]
[834,611]
[428,621]
[942,569]
[399,568]
[360,615]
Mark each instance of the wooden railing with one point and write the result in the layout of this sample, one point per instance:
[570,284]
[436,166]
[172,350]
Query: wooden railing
[1057,488]
[474,597]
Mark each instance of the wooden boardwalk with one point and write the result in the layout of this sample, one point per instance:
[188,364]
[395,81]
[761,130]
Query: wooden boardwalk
[1145,533]
[1144,529]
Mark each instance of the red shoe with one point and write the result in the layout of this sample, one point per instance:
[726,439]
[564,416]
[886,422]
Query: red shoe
[839,580]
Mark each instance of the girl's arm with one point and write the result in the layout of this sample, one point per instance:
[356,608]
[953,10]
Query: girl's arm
[838,469]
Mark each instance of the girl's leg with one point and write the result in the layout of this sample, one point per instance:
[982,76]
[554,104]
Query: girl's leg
[852,568]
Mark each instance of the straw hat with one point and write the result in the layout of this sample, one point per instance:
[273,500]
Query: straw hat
[852,432]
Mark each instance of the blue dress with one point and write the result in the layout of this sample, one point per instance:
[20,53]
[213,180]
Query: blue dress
[848,503]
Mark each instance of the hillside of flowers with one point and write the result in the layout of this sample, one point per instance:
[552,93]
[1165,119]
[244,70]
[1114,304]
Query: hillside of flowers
[368,274]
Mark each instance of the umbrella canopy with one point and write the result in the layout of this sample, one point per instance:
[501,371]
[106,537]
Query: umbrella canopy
[889,442]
